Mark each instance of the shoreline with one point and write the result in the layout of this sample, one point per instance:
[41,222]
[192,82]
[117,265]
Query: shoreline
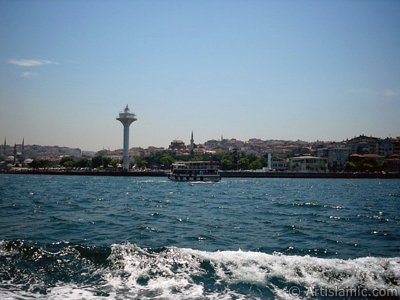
[224,174]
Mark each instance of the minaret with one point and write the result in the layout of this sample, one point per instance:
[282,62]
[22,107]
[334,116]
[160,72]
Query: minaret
[191,143]
[15,153]
[4,147]
[126,118]
[23,147]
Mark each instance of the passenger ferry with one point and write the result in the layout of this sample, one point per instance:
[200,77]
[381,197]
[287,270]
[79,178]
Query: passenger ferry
[195,171]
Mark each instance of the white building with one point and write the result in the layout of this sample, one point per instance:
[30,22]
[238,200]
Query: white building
[308,164]
[337,157]
[279,165]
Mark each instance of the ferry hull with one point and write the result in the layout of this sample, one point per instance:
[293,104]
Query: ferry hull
[195,171]
[207,178]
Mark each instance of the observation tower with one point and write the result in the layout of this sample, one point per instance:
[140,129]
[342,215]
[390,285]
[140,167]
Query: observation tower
[126,118]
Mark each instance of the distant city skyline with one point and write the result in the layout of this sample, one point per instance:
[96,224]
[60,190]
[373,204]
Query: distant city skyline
[196,143]
[287,70]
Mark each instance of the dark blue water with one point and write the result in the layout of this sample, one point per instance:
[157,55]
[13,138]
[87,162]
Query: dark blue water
[143,238]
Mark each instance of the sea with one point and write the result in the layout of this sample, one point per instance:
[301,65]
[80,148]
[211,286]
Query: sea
[88,237]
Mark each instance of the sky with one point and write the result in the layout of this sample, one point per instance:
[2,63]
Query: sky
[309,70]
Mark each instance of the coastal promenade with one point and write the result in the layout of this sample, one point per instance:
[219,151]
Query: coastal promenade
[224,174]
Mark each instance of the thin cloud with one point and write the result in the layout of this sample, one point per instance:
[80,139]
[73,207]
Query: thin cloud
[31,62]
[390,93]
[360,91]
[27,74]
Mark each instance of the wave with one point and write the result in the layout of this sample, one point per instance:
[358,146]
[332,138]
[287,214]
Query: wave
[73,271]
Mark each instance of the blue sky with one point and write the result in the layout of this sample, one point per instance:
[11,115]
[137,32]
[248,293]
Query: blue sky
[310,70]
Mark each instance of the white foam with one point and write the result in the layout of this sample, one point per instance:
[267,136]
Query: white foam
[157,270]
[255,267]
[236,267]
[71,291]
[137,273]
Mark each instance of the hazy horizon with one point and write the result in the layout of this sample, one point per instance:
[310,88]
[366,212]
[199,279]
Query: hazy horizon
[187,143]
[242,69]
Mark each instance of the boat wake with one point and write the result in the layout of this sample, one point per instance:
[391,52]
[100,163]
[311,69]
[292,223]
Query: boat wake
[70,271]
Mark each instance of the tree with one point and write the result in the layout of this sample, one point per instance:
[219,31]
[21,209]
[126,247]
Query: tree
[114,162]
[322,167]
[198,157]
[364,164]
[257,164]
[97,161]
[235,158]
[243,164]
[251,157]
[67,162]
[82,162]
[106,162]
[167,160]
[226,163]
[350,166]
[101,162]
[35,164]
[42,163]
[140,162]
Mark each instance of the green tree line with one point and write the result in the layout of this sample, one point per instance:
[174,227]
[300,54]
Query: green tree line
[365,164]
[158,160]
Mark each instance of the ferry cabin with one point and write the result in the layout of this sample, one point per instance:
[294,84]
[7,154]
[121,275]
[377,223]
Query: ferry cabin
[195,171]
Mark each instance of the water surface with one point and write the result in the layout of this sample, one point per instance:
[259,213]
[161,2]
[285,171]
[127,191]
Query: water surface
[138,237]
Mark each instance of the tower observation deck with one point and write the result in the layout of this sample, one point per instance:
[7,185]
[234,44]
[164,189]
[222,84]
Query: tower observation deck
[126,118]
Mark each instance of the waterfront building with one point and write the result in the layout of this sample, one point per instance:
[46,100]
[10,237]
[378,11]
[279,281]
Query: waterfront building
[126,118]
[396,146]
[279,165]
[200,150]
[386,147]
[337,157]
[308,164]
[363,145]
[372,145]
[212,144]
[177,146]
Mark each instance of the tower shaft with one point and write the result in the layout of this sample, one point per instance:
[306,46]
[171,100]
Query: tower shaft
[125,163]
[126,118]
